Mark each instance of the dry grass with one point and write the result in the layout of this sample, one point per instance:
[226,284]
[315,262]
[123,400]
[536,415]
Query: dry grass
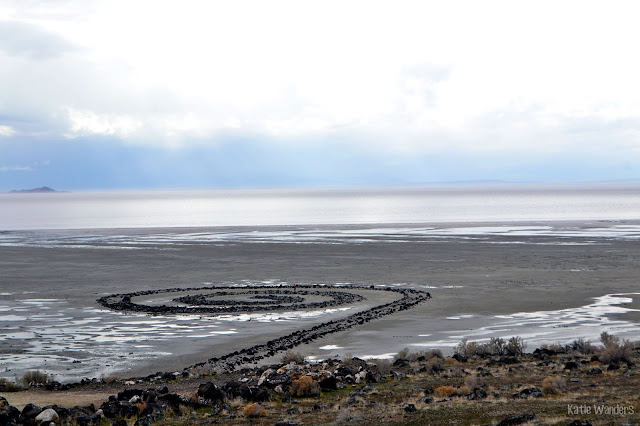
[462,391]
[450,362]
[614,350]
[236,402]
[444,391]
[473,381]
[553,385]
[292,356]
[384,366]
[254,410]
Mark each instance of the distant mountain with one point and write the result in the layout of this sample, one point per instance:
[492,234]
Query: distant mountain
[44,189]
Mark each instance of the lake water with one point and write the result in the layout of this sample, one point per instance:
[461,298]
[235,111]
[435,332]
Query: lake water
[160,209]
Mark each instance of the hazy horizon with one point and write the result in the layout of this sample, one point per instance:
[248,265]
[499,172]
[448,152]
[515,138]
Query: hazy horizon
[462,185]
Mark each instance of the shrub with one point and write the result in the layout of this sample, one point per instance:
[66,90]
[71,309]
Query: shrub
[609,339]
[413,356]
[581,346]
[461,349]
[496,346]
[402,354]
[554,347]
[305,386]
[433,353]
[472,381]
[617,352]
[34,377]
[254,410]
[444,391]
[7,386]
[479,350]
[450,362]
[291,356]
[553,385]
[384,366]
[462,391]
[515,346]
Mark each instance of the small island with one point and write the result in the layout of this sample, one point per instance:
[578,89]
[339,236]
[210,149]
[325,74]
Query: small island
[41,190]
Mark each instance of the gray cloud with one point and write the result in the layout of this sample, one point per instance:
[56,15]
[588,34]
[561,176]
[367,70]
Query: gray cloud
[28,40]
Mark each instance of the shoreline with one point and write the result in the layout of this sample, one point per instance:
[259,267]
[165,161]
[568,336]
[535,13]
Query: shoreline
[461,223]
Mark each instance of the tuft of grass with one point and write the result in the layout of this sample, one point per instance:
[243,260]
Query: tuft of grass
[553,385]
[345,416]
[444,391]
[254,410]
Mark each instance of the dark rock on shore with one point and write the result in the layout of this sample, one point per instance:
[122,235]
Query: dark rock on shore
[517,420]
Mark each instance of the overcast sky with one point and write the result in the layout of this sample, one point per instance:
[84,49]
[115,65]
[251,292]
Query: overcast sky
[153,94]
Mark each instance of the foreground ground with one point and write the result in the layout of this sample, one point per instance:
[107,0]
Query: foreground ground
[555,385]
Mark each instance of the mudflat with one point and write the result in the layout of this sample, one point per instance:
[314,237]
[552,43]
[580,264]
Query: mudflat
[543,288]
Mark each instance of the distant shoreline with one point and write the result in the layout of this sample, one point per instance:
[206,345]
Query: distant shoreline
[41,190]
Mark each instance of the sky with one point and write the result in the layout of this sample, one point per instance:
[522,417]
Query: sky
[251,94]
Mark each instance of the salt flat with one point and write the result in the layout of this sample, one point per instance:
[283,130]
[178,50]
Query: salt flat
[547,282]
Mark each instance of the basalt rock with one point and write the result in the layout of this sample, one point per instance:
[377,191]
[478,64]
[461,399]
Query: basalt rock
[328,384]
[529,392]
[211,392]
[517,420]
[30,411]
[47,416]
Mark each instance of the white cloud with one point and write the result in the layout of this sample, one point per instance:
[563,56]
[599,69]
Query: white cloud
[7,131]
[409,76]
[16,169]
[25,39]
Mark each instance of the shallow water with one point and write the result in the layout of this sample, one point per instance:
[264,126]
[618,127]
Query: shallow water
[161,209]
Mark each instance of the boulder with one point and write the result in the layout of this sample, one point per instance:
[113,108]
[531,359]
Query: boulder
[30,411]
[127,394]
[571,365]
[529,392]
[211,391]
[343,371]
[277,380]
[401,362]
[477,394]
[517,420]
[47,416]
[8,413]
[410,408]
[328,384]
[236,389]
